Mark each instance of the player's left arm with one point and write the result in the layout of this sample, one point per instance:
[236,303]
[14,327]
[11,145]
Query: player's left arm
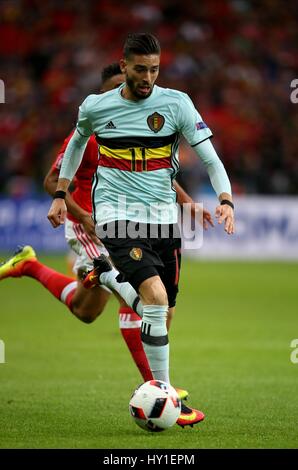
[198,136]
[221,184]
[184,198]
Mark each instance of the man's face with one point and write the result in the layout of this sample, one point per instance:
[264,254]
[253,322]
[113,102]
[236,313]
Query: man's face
[141,72]
[113,82]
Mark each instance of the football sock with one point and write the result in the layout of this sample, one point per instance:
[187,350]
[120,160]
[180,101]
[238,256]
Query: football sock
[124,289]
[130,327]
[154,336]
[61,286]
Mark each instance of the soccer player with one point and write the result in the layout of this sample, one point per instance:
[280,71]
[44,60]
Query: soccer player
[79,230]
[81,237]
[137,127]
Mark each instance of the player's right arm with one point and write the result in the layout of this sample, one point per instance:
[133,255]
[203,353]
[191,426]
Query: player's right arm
[50,185]
[71,161]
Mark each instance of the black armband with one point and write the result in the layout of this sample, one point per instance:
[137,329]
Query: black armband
[226,201]
[59,195]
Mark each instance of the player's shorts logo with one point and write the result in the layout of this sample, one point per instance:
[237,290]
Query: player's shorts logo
[156,122]
[136,254]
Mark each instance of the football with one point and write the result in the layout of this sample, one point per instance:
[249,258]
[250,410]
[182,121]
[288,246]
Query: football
[155,406]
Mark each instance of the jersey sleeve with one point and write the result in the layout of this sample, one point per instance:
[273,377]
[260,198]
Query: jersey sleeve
[190,122]
[84,126]
[76,146]
[214,166]
[56,166]
[73,155]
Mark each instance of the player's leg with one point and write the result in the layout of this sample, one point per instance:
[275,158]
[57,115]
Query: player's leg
[130,328]
[170,254]
[155,339]
[137,263]
[129,321]
[87,305]
[160,291]
[83,303]
[104,273]
[154,329]
[170,278]
[25,263]
[70,259]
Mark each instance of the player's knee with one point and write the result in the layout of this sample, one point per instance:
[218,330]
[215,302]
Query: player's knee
[88,319]
[84,315]
[160,298]
[153,292]
[157,297]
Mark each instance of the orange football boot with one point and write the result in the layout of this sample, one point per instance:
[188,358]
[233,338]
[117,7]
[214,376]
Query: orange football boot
[189,416]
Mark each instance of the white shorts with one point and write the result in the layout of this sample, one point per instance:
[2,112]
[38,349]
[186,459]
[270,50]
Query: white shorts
[83,246]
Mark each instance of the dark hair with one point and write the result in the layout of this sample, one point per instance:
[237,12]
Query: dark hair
[110,71]
[141,44]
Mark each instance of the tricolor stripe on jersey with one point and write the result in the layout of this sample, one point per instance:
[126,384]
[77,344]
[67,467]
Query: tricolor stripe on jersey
[138,154]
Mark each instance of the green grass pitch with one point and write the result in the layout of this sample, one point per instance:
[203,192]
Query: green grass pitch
[67,385]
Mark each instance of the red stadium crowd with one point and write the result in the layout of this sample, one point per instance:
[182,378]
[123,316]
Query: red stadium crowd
[235,58]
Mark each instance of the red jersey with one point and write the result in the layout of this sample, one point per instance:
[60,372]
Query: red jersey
[83,179]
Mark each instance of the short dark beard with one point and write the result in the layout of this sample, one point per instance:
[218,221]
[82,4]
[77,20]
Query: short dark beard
[134,92]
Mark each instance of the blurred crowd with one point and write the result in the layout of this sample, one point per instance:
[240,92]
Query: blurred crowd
[235,58]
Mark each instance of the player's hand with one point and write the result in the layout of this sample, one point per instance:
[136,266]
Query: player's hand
[225,213]
[196,213]
[89,227]
[207,219]
[57,212]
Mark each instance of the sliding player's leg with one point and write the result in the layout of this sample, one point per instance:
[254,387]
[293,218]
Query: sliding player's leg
[85,304]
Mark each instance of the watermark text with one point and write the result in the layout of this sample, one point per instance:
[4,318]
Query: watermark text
[2,91]
[294,353]
[156,220]
[2,352]
[294,94]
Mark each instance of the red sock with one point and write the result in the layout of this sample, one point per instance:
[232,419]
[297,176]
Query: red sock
[62,287]
[130,326]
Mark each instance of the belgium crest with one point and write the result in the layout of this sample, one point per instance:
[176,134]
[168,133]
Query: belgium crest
[136,254]
[155,122]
